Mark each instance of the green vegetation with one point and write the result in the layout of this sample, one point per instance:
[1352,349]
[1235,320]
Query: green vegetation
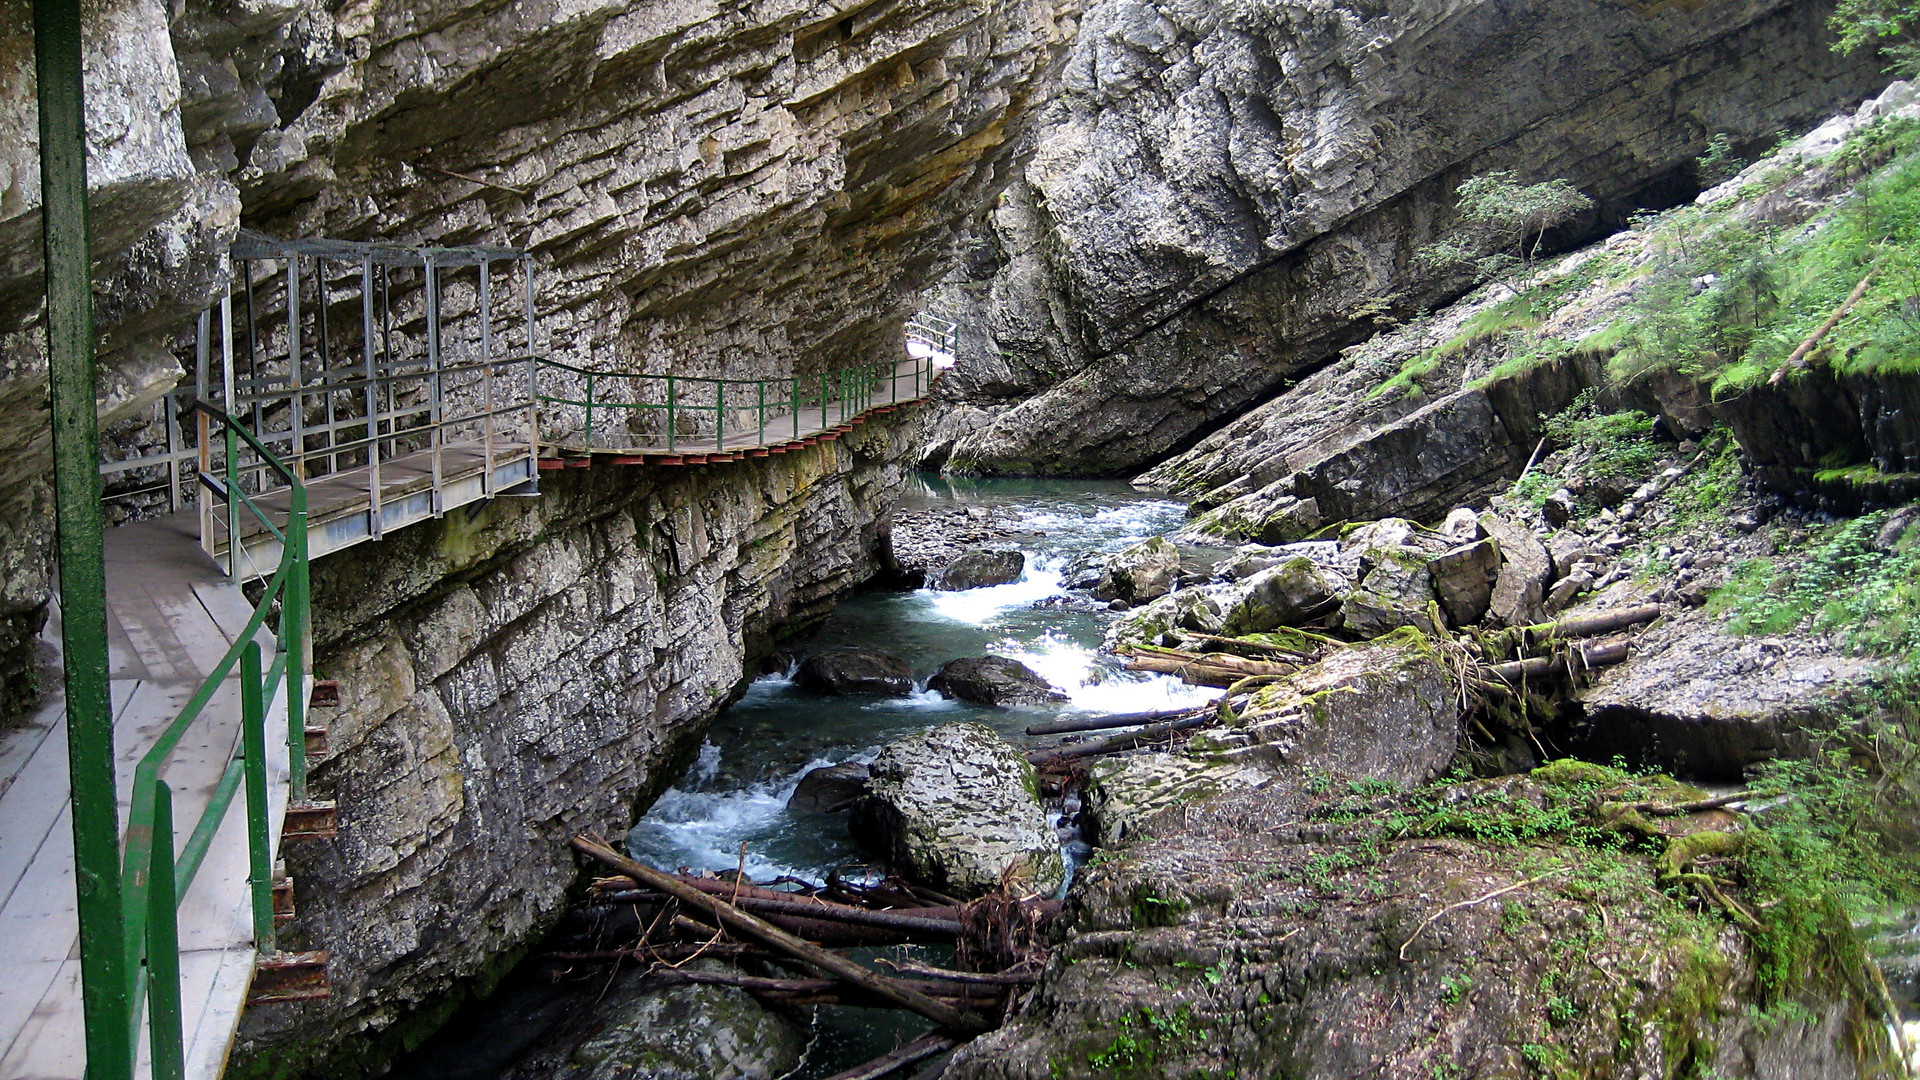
[1839,584]
[1731,300]
[1891,27]
[1503,223]
[1144,1036]
[1615,449]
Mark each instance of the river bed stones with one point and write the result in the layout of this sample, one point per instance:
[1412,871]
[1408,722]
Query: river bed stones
[855,671]
[958,809]
[979,569]
[829,788]
[1143,572]
[996,681]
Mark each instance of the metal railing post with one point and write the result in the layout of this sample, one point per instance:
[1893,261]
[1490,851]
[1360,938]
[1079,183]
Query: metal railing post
[486,366]
[761,386]
[106,979]
[589,446]
[673,425]
[167,1043]
[253,740]
[720,415]
[371,367]
[434,378]
[233,503]
[796,406]
[296,635]
[297,410]
[533,382]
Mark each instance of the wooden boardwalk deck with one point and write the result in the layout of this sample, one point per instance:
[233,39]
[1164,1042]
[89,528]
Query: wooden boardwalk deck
[782,431]
[171,616]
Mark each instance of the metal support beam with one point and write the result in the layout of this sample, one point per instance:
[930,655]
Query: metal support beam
[106,996]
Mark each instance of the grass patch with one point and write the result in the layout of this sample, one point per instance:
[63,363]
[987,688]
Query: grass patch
[1841,584]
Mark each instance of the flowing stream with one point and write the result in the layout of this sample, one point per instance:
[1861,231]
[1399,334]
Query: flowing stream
[737,790]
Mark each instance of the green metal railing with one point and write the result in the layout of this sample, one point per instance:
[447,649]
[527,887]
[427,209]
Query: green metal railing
[154,879]
[610,410]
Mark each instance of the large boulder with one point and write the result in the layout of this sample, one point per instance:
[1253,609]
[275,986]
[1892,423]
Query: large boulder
[829,788]
[957,808]
[1397,591]
[1140,573]
[1463,578]
[1124,793]
[855,671]
[1293,593]
[978,569]
[1520,592]
[994,680]
[642,1031]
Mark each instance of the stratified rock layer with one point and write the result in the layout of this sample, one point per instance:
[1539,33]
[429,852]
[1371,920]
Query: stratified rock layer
[1225,195]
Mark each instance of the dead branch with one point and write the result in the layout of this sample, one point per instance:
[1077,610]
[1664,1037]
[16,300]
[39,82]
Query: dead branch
[1470,903]
[913,1053]
[1799,356]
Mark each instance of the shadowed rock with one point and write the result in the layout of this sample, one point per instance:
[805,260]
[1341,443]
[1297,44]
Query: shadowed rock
[855,671]
[978,569]
[829,788]
[994,680]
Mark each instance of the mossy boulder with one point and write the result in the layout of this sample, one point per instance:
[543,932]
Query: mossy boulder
[1397,591]
[1294,593]
[957,808]
[1140,573]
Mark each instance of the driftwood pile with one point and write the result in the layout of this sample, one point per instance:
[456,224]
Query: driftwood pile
[677,918]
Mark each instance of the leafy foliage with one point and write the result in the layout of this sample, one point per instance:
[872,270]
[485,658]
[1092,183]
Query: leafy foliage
[1842,584]
[1503,223]
[1890,26]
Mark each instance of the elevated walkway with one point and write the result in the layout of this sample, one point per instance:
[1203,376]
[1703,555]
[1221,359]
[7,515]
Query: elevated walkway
[172,617]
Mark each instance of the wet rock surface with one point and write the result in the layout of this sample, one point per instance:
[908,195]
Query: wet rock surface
[979,569]
[830,788]
[993,680]
[1145,571]
[855,671]
[957,808]
[921,542]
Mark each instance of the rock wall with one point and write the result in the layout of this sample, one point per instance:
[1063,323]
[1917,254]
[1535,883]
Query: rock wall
[741,189]
[516,675]
[1224,195]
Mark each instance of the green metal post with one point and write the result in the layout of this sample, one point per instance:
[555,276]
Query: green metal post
[720,415]
[762,387]
[233,502]
[296,631]
[253,748]
[589,414]
[106,979]
[672,434]
[796,406]
[163,945]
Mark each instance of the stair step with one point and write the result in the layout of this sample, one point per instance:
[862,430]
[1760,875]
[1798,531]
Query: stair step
[310,821]
[325,695]
[317,747]
[279,977]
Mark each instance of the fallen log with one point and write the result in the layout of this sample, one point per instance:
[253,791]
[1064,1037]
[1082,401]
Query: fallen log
[1584,626]
[947,1016]
[913,1053]
[1577,659]
[1797,359]
[1231,643]
[997,978]
[1113,744]
[1103,723]
[916,923]
[760,983]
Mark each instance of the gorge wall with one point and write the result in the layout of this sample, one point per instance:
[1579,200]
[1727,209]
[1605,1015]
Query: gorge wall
[1224,196]
[737,189]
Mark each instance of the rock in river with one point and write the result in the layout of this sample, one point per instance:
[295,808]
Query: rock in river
[642,1032]
[829,788]
[994,680]
[1140,573]
[978,569]
[855,671]
[956,807]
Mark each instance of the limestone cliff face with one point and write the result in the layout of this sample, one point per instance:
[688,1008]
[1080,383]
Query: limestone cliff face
[538,669]
[746,189]
[1224,195]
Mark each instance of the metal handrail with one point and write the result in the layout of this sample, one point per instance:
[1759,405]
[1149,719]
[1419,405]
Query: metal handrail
[155,881]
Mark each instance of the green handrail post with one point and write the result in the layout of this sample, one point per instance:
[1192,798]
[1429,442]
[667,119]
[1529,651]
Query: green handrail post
[253,742]
[233,503]
[589,446]
[296,636]
[107,979]
[796,406]
[720,415]
[168,1048]
[761,386]
[672,434]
